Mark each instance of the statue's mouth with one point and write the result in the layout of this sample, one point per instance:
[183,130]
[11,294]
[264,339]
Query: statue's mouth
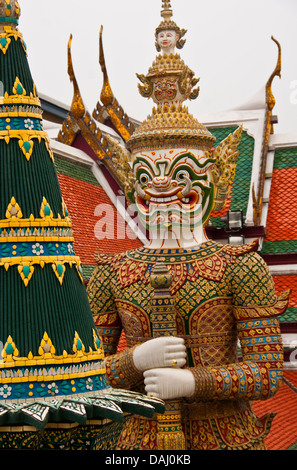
[164,200]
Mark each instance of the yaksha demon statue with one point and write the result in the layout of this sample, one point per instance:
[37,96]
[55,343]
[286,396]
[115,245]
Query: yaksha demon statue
[223,295]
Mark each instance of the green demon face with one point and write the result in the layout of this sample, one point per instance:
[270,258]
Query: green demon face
[173,189]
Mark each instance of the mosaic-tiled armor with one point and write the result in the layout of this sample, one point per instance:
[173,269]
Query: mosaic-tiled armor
[223,294]
[224,300]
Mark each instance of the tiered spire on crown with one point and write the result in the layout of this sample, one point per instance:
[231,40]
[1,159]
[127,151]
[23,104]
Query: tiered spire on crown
[169,82]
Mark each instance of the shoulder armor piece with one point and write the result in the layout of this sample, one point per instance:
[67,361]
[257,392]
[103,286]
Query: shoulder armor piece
[241,249]
[110,259]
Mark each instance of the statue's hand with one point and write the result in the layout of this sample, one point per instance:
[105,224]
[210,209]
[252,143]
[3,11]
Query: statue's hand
[166,351]
[169,384]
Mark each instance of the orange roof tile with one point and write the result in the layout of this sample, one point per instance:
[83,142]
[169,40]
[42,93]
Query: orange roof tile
[225,209]
[283,433]
[122,343]
[81,199]
[282,212]
[285,282]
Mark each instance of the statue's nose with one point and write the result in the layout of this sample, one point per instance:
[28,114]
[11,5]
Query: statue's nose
[161,182]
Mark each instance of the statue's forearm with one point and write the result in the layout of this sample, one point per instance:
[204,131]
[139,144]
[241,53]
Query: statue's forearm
[252,381]
[257,376]
[121,371]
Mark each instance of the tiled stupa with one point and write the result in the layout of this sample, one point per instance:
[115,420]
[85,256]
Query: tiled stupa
[53,387]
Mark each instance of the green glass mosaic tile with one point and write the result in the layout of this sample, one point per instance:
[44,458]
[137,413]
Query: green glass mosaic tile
[293,447]
[279,247]
[242,180]
[87,271]
[285,158]
[290,316]
[76,171]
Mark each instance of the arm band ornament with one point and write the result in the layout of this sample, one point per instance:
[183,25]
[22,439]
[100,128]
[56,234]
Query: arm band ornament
[121,371]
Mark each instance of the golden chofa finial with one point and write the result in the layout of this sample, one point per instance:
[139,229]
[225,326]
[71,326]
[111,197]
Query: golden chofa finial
[168,34]
[270,100]
[106,96]
[77,107]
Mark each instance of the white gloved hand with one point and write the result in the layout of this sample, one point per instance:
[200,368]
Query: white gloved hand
[160,352]
[169,384]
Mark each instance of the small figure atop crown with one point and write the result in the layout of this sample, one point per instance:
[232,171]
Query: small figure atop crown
[168,34]
[169,80]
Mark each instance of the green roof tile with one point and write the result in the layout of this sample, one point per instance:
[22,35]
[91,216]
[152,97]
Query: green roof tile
[87,270]
[279,247]
[75,170]
[290,316]
[285,158]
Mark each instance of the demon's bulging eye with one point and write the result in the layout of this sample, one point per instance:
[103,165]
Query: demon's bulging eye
[144,178]
[181,175]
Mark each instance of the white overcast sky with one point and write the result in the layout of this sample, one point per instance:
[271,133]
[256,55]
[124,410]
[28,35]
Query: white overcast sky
[228,46]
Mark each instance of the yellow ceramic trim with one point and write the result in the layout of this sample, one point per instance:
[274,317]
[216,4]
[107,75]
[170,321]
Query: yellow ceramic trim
[19,99]
[14,219]
[22,134]
[80,356]
[9,32]
[25,238]
[27,136]
[25,114]
[29,261]
[14,222]
[42,260]
[46,378]
[24,362]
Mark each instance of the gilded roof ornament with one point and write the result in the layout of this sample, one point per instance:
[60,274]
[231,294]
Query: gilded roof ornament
[270,100]
[270,103]
[77,107]
[106,96]
[111,107]
[223,172]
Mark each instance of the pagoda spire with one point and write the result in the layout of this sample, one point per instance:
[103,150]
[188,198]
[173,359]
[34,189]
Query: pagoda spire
[52,366]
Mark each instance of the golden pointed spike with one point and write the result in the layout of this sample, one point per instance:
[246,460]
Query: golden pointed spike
[106,96]
[270,100]
[77,107]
